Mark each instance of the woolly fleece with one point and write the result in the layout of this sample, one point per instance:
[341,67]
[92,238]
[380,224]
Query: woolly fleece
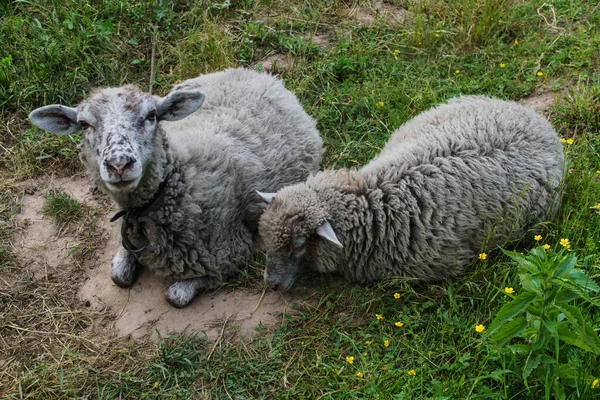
[453,182]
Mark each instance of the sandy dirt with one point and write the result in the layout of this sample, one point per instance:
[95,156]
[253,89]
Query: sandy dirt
[391,15]
[276,63]
[141,310]
[539,102]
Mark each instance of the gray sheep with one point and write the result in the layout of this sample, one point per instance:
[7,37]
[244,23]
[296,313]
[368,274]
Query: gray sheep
[185,178]
[450,183]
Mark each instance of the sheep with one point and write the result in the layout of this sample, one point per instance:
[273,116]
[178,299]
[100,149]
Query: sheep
[451,183]
[185,177]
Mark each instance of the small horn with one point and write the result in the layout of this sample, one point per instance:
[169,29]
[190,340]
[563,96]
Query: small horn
[326,232]
[267,197]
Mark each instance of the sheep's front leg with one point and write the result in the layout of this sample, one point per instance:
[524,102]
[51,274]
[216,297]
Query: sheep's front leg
[181,293]
[123,268]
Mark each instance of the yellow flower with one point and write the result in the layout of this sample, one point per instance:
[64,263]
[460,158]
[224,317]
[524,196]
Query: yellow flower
[365,354]
[396,295]
[301,342]
[516,41]
[412,372]
[350,359]
[479,328]
[368,342]
[594,383]
[502,65]
[155,384]
[563,140]
[359,374]
[570,141]
[482,256]
[379,316]
[537,238]
[597,172]
[386,343]
[396,52]
[419,43]
[379,104]
[597,206]
[399,324]
[437,35]
[540,73]
[546,246]
[565,243]
[457,71]
[509,290]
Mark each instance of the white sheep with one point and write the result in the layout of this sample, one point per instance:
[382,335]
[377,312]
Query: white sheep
[451,183]
[185,180]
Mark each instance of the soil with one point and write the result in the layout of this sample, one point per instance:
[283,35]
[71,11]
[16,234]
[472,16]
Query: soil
[539,102]
[276,63]
[139,311]
[391,15]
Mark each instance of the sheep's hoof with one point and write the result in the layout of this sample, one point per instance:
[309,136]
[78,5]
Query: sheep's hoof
[181,293]
[123,271]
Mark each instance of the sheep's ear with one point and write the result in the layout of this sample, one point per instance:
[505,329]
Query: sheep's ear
[267,197]
[55,118]
[326,232]
[178,105]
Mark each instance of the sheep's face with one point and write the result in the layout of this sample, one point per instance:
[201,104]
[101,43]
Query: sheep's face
[119,128]
[290,229]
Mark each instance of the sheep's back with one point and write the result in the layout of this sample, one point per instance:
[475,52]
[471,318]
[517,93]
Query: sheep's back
[462,178]
[254,115]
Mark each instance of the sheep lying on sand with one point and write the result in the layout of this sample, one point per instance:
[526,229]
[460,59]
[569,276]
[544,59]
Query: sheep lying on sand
[187,189]
[451,183]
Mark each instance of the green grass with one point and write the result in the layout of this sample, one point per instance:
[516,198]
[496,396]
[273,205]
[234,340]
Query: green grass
[367,80]
[62,208]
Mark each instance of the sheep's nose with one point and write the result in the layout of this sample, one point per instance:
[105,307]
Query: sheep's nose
[120,164]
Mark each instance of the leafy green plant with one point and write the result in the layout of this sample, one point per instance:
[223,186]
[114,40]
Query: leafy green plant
[528,330]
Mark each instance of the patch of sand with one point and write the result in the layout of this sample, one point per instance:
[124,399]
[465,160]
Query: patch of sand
[141,310]
[539,102]
[276,63]
[321,39]
[391,15]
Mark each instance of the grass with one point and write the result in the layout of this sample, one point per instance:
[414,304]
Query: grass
[369,76]
[62,208]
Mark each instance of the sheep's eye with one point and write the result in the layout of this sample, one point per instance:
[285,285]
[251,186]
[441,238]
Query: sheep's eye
[299,243]
[83,125]
[151,116]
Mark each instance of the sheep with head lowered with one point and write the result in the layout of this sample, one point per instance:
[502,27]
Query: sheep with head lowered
[185,177]
[450,183]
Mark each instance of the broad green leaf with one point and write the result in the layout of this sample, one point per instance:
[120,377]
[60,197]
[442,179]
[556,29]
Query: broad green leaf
[565,295]
[592,339]
[581,278]
[552,328]
[519,348]
[509,330]
[565,265]
[532,363]
[542,341]
[496,375]
[581,293]
[511,309]
[573,316]
[531,284]
[523,262]
[575,339]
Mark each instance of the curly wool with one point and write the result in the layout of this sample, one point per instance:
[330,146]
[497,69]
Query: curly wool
[250,134]
[454,181]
